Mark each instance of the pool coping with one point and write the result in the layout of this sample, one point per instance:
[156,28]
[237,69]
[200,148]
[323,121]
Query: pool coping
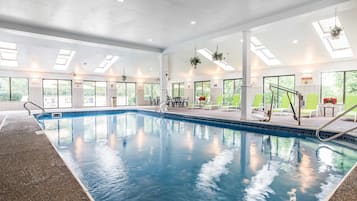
[343,180]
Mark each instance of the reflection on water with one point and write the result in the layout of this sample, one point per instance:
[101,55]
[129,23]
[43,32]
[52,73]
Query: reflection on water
[136,157]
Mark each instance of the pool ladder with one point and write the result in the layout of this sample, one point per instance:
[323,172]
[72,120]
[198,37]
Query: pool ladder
[330,122]
[34,104]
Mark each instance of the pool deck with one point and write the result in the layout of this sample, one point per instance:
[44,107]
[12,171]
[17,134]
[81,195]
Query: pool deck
[31,169]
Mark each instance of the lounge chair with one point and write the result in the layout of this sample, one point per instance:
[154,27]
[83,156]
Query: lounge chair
[311,105]
[284,104]
[235,104]
[350,101]
[258,102]
[219,102]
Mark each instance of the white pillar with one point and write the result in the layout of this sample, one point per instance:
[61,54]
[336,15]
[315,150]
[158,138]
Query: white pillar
[246,86]
[164,72]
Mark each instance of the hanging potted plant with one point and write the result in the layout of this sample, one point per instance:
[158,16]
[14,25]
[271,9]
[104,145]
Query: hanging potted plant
[195,60]
[216,56]
[336,31]
[123,77]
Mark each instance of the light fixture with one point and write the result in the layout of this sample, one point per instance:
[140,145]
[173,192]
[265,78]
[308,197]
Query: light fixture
[8,54]
[208,55]
[306,78]
[108,61]
[150,40]
[63,59]
[295,41]
[193,22]
[120,1]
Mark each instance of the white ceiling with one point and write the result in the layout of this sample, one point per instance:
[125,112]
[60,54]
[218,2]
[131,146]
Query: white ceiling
[277,37]
[166,22]
[39,54]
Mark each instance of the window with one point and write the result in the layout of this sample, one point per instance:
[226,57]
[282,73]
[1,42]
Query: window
[151,90]
[8,54]
[178,89]
[95,93]
[63,59]
[100,93]
[337,47]
[231,87]
[126,93]
[209,55]
[287,81]
[202,88]
[262,52]
[108,61]
[338,85]
[57,93]
[14,89]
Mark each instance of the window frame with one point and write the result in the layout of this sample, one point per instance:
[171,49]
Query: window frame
[344,83]
[126,92]
[278,76]
[179,84]
[10,88]
[234,86]
[194,87]
[57,92]
[151,89]
[95,93]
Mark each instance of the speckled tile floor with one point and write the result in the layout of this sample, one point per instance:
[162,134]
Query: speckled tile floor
[31,169]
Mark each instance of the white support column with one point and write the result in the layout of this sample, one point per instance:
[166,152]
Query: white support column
[164,72]
[246,85]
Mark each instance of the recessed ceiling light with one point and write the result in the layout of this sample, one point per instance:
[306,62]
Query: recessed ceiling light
[120,1]
[193,22]
[295,41]
[150,40]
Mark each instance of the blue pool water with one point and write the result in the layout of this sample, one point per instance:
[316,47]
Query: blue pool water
[132,156]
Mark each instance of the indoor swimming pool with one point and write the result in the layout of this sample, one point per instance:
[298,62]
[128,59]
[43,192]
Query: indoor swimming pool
[136,156]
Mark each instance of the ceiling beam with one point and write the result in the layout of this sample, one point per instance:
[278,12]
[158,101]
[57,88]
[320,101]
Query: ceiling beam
[63,35]
[254,23]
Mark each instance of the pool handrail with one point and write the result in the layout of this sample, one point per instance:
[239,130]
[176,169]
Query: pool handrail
[34,104]
[330,122]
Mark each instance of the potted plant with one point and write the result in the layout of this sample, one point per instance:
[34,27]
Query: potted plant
[216,56]
[195,61]
[336,30]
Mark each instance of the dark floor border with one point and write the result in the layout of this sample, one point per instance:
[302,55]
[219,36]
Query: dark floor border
[257,127]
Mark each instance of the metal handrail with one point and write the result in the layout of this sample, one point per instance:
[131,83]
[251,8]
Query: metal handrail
[287,90]
[330,122]
[32,103]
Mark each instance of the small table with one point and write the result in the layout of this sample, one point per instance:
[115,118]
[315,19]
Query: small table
[332,107]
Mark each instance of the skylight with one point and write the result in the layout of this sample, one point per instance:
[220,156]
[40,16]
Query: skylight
[63,59]
[337,47]
[106,63]
[208,54]
[262,52]
[8,54]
